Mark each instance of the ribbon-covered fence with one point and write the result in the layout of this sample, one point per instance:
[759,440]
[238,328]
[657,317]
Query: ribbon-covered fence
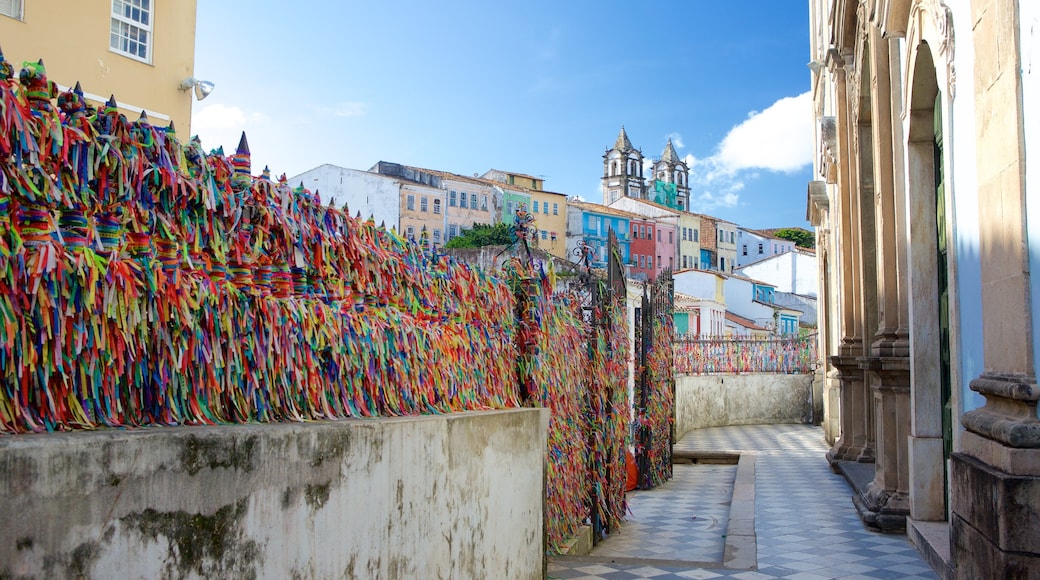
[655,384]
[574,353]
[708,355]
[143,281]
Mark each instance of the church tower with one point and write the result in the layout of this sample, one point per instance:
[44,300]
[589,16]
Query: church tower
[622,171]
[670,183]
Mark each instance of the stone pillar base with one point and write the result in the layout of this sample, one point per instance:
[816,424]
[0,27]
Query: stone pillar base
[995,480]
[996,521]
[882,510]
[852,444]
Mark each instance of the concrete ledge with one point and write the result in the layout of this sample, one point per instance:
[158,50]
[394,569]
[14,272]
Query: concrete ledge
[932,539]
[447,496]
[741,551]
[579,545]
[705,457]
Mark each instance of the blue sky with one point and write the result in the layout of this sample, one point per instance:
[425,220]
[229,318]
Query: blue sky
[537,87]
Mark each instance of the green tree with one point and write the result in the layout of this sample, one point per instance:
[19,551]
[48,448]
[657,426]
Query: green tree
[801,237]
[481,235]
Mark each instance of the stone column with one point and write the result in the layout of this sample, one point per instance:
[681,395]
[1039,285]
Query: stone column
[868,281]
[851,443]
[885,503]
[995,475]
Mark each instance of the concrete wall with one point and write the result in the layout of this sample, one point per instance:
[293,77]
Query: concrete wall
[457,496]
[758,399]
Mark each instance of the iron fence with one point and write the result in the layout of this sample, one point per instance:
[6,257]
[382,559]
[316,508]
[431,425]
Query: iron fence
[714,355]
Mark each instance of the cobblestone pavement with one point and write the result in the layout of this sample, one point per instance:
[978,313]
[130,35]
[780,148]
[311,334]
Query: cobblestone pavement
[805,524]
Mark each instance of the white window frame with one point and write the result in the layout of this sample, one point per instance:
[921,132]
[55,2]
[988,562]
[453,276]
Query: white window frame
[424,204]
[118,19]
[13,8]
[437,206]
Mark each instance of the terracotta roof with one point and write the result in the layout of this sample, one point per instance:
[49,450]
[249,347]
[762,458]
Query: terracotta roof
[654,204]
[597,208]
[451,176]
[745,322]
[524,175]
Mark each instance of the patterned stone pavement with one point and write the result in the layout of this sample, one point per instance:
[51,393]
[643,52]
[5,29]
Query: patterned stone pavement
[805,523]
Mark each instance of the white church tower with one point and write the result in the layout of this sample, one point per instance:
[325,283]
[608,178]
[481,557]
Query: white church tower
[623,171]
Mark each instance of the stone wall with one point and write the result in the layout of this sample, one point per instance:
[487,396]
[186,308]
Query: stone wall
[453,496]
[757,399]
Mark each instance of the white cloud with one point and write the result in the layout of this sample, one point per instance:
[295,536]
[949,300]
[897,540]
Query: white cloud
[221,117]
[345,109]
[676,140]
[778,138]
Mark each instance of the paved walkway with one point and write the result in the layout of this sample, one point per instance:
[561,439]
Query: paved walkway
[805,524]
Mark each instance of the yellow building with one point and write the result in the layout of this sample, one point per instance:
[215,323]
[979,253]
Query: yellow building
[550,215]
[140,51]
[548,207]
[422,206]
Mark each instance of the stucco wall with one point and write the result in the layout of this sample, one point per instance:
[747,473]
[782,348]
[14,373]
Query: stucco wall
[371,194]
[457,496]
[72,38]
[758,399]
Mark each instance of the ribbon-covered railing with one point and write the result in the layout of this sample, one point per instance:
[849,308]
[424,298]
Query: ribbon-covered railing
[585,390]
[143,281]
[707,355]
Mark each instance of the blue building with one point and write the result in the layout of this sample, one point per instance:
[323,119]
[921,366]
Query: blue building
[591,223]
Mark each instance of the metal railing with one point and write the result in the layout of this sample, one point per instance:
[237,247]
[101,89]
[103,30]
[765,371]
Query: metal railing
[720,355]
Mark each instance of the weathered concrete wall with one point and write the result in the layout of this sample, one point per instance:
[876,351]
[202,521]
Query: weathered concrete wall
[457,496]
[757,399]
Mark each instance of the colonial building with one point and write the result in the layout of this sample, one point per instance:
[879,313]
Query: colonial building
[140,51]
[755,245]
[465,201]
[549,208]
[589,225]
[925,112]
[371,194]
[667,229]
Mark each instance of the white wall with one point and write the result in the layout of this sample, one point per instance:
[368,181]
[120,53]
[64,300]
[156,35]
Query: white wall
[794,272]
[370,193]
[703,401]
[1029,20]
[696,284]
[450,496]
[740,299]
[962,162]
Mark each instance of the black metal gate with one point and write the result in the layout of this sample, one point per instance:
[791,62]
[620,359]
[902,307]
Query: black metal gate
[654,423]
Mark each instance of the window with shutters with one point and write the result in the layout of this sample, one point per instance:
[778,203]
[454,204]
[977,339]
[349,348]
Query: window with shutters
[131,30]
[12,8]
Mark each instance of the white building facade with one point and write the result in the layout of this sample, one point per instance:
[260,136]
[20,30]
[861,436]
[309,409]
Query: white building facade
[371,194]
